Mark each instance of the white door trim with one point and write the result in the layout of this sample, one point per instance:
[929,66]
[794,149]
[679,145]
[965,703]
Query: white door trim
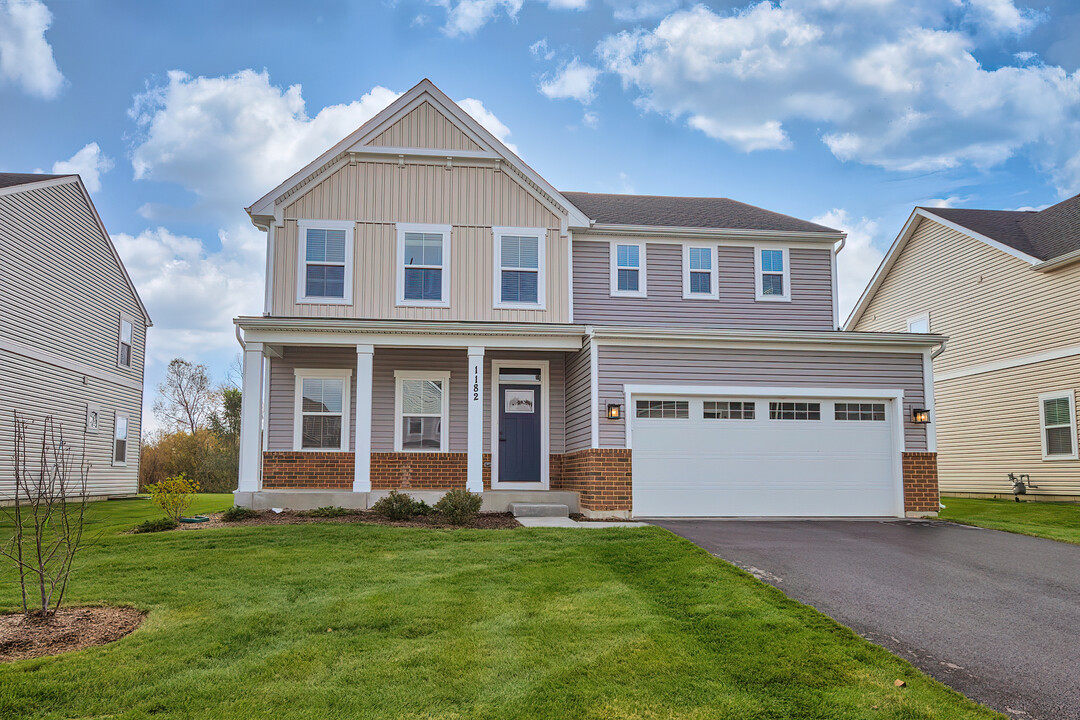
[894,395]
[545,422]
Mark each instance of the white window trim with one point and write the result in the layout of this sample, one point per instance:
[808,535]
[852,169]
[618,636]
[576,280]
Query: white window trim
[713,274]
[301,260]
[127,440]
[445,231]
[119,339]
[298,406]
[916,318]
[642,290]
[1069,394]
[444,419]
[541,278]
[758,273]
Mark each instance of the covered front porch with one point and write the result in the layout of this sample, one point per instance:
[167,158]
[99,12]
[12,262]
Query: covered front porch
[341,413]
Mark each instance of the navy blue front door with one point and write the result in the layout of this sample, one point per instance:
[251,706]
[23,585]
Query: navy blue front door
[519,433]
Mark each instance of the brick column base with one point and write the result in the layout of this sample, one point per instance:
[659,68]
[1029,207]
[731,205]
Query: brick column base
[920,484]
[602,478]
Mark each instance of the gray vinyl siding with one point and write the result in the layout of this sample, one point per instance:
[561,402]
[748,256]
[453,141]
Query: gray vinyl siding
[811,291]
[386,360]
[619,365]
[62,292]
[579,399]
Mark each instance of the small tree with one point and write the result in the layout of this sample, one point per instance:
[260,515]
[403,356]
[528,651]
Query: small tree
[174,495]
[187,396]
[48,515]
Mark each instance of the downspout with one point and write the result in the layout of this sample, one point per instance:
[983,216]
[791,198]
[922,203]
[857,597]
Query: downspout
[835,283]
[941,349]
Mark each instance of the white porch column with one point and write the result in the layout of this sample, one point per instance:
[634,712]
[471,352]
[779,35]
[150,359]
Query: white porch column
[474,481]
[251,415]
[365,355]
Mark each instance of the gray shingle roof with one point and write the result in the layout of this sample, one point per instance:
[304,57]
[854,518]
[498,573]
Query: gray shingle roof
[12,179]
[689,212]
[1044,234]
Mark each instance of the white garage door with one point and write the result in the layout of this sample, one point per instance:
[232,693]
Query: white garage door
[764,456]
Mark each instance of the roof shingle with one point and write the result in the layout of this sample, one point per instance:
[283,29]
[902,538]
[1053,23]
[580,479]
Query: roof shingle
[688,212]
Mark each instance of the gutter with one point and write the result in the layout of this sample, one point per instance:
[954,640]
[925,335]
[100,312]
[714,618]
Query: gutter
[1058,262]
[697,232]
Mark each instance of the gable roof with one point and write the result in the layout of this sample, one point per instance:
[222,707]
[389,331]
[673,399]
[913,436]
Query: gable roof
[687,212]
[14,179]
[424,91]
[1043,234]
[25,182]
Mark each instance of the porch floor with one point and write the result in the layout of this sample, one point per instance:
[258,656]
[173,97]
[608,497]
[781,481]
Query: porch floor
[494,500]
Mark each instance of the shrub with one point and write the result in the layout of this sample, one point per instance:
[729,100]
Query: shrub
[329,511]
[398,506]
[237,513]
[459,506]
[158,525]
[174,495]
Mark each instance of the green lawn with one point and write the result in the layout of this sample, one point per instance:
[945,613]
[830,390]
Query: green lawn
[339,620]
[1056,521]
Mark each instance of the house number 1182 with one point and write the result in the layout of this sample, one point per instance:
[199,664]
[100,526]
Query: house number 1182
[476,383]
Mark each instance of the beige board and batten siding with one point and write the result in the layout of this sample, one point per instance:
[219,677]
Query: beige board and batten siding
[810,307]
[62,294]
[385,362]
[472,199]
[988,426]
[621,365]
[424,127]
[991,305]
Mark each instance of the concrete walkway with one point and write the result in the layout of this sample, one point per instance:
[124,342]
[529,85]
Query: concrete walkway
[562,522]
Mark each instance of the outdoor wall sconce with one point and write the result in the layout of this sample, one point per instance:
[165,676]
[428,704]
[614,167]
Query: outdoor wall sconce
[920,416]
[614,412]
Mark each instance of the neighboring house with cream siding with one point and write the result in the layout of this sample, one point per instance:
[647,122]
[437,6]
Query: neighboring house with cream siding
[1004,286]
[72,331]
[438,315]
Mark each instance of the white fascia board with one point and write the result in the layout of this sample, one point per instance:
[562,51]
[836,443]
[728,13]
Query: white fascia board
[766,391]
[842,339]
[698,233]
[421,152]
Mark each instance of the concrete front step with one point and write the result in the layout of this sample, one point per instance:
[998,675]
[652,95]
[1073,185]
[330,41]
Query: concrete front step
[532,510]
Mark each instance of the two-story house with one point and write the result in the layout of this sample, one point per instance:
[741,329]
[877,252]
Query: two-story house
[438,315]
[72,333]
[1004,286]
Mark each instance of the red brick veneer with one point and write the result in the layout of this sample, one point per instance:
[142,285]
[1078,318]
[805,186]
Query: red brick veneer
[601,476]
[920,482]
[308,470]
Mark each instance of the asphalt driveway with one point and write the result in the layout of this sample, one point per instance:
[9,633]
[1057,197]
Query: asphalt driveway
[992,614]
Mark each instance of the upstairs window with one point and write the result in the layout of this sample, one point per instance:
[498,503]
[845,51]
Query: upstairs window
[919,323]
[321,411]
[423,265]
[772,281]
[699,272]
[519,267]
[326,262]
[1058,415]
[627,269]
[127,333]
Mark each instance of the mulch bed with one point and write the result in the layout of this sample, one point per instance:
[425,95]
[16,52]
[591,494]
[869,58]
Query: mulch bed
[69,629]
[483,521]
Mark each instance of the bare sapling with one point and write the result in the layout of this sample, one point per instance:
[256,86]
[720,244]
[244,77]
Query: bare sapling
[47,516]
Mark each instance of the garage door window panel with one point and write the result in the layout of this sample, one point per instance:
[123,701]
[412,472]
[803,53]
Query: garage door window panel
[728,410]
[868,412]
[794,411]
[663,409]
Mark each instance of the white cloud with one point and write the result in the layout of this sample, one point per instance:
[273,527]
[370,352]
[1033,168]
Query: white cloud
[568,4]
[634,10]
[540,49]
[26,58]
[230,139]
[90,163]
[465,17]
[574,80]
[856,263]
[891,83]
[193,293]
[590,119]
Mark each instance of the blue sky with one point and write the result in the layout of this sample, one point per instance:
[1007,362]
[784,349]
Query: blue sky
[849,112]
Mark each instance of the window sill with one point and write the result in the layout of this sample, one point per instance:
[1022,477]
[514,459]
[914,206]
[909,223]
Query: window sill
[518,306]
[421,452]
[319,450]
[1060,458]
[700,296]
[628,294]
[772,298]
[423,303]
[322,301]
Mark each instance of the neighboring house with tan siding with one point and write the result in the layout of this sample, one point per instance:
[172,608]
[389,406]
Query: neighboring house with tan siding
[1004,286]
[438,315]
[72,331]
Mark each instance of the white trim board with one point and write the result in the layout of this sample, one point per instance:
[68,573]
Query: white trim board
[72,365]
[1007,363]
